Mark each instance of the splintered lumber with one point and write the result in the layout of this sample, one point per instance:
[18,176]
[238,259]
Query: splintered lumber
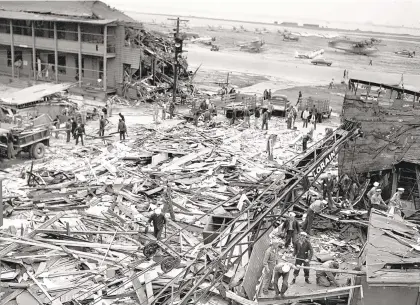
[140,290]
[11,296]
[45,225]
[188,158]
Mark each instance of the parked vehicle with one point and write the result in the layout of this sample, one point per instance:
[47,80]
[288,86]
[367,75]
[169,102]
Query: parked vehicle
[280,104]
[30,141]
[321,61]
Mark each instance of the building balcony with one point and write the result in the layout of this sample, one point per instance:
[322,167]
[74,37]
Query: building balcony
[65,46]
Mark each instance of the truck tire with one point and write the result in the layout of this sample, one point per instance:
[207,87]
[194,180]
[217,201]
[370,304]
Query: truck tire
[38,151]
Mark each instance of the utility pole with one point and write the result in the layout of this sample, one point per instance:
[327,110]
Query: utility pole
[178,51]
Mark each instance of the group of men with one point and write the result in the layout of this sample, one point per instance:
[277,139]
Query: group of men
[264,114]
[267,94]
[375,197]
[205,107]
[276,266]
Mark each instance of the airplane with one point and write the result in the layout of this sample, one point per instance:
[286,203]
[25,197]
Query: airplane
[253,46]
[290,37]
[364,47]
[204,40]
[408,53]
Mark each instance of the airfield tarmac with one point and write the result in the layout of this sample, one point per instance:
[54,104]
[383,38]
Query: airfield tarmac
[277,68]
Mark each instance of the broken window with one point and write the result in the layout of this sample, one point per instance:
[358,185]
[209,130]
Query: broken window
[61,63]
[18,56]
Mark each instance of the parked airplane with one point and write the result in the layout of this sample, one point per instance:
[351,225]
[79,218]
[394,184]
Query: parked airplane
[253,46]
[364,47]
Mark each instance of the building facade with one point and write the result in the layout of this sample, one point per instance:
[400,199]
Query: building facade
[63,41]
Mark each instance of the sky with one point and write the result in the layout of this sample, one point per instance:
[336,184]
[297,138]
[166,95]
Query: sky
[384,12]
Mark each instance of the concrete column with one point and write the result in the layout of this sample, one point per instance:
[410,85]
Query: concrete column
[33,50]
[105,54]
[12,48]
[79,37]
[55,52]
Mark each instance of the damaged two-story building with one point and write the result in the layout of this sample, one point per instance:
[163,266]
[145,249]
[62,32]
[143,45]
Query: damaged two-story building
[67,41]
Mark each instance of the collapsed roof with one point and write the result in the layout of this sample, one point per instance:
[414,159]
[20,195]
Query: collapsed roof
[96,10]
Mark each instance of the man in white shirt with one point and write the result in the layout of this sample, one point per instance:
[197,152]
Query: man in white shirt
[305,116]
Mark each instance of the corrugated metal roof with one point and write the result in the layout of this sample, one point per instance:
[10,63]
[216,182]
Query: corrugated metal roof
[33,94]
[93,10]
[388,247]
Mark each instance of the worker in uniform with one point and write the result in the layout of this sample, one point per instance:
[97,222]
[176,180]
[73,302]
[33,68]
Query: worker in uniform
[232,121]
[207,117]
[289,118]
[291,228]
[327,278]
[122,129]
[171,110]
[327,189]
[68,130]
[282,270]
[316,207]
[303,252]
[102,123]
[305,117]
[271,257]
[79,132]
[395,203]
[246,117]
[73,127]
[10,148]
[377,202]
[372,190]
[270,146]
[314,115]
[159,221]
[265,118]
[257,116]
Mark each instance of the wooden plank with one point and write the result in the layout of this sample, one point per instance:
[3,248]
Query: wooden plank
[27,298]
[11,296]
[140,290]
[45,225]
[148,277]
[324,294]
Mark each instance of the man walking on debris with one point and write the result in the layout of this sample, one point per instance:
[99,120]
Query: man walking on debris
[271,257]
[327,278]
[68,130]
[207,117]
[305,140]
[73,127]
[305,117]
[395,203]
[257,116]
[159,221]
[291,228]
[316,207]
[79,132]
[232,122]
[171,109]
[102,124]
[155,112]
[168,207]
[303,252]
[282,270]
[377,202]
[122,129]
[314,115]
[265,120]
[327,189]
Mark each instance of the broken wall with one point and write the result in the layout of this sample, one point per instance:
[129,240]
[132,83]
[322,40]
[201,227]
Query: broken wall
[390,134]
